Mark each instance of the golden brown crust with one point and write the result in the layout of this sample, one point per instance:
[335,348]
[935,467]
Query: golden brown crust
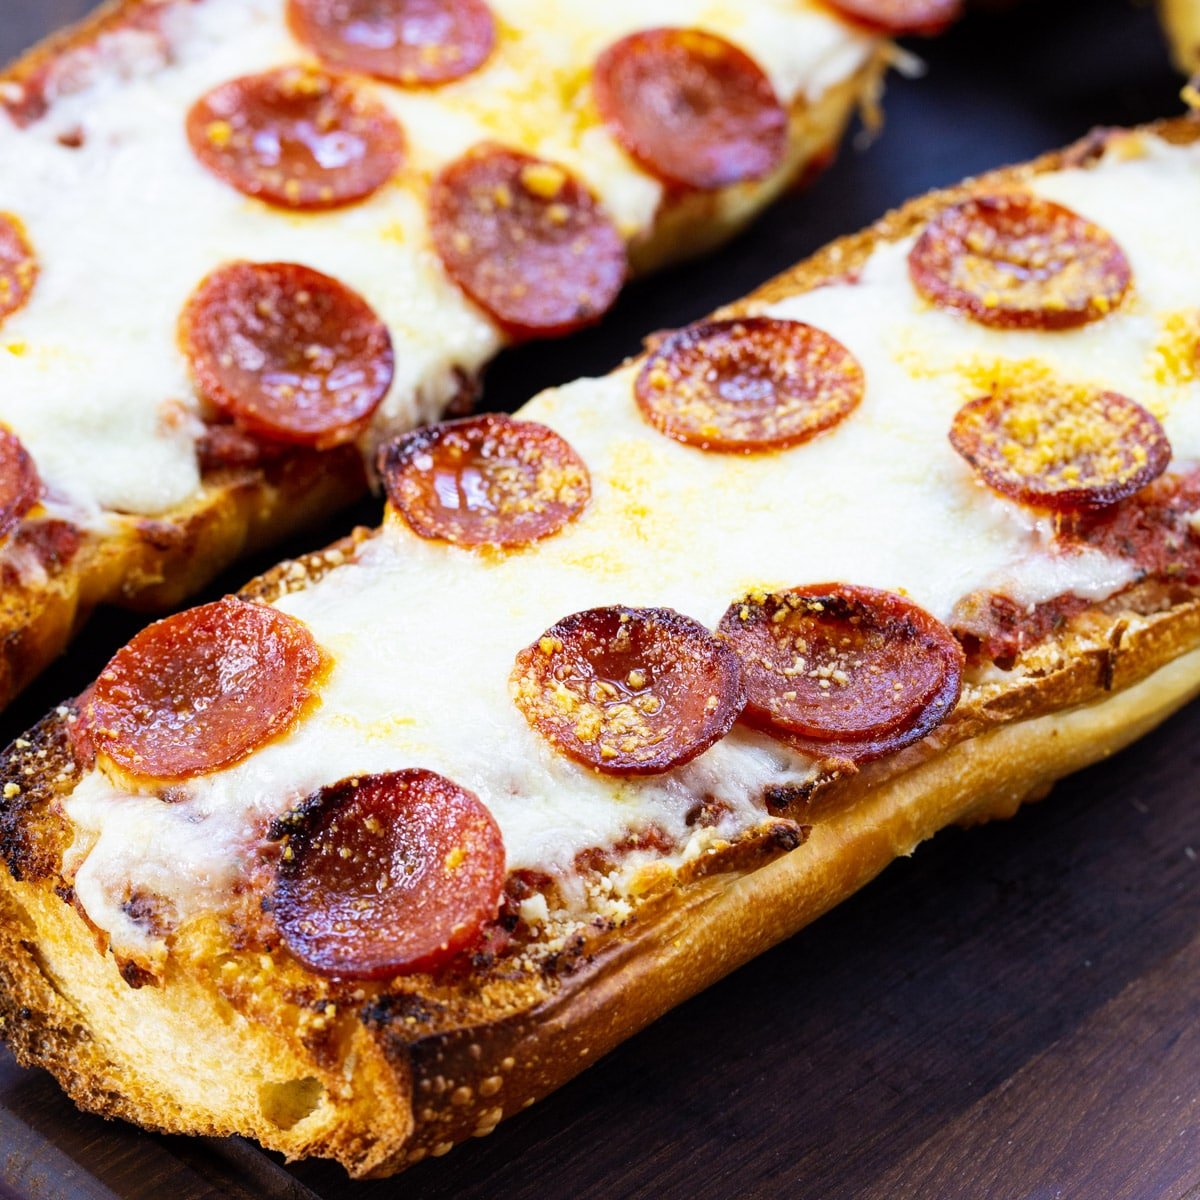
[1181,20]
[436,1061]
[154,564]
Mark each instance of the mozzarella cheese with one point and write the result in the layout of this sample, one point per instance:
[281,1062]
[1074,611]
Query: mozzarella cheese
[424,635]
[126,225]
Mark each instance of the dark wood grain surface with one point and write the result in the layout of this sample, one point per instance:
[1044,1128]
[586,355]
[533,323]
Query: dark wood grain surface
[1010,1014]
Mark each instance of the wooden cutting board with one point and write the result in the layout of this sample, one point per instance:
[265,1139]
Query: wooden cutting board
[1014,1013]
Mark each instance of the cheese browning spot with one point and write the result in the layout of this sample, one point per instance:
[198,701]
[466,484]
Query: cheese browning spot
[1060,447]
[18,266]
[629,691]
[296,138]
[201,690]
[20,485]
[527,241]
[291,354]
[754,384]
[1015,261]
[485,481]
[1176,355]
[388,875]
[414,43]
[691,107]
[900,17]
[843,671]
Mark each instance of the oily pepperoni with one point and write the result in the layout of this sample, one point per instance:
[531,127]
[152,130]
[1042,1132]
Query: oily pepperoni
[629,691]
[291,354]
[899,17]
[387,875]
[485,481]
[202,689]
[1016,261]
[296,138]
[20,486]
[18,266]
[841,664]
[410,42]
[526,241]
[691,107]
[752,384]
[1061,448]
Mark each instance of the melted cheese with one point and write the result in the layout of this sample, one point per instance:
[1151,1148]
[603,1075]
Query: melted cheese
[126,226]
[424,634]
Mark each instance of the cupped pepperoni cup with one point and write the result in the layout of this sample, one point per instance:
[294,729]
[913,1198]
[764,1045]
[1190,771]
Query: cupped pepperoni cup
[748,385]
[202,689]
[1015,261]
[629,691]
[387,875]
[837,663]
[485,481]
[18,266]
[415,43]
[291,354]
[899,17]
[20,486]
[1061,448]
[296,138]
[527,241]
[691,108]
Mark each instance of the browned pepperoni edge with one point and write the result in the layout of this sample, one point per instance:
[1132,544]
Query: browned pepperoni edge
[748,384]
[1127,448]
[414,43]
[18,266]
[691,108]
[514,482]
[20,485]
[165,708]
[327,354]
[1016,261]
[527,241]
[629,691]
[296,138]
[913,630]
[387,875]
[900,17]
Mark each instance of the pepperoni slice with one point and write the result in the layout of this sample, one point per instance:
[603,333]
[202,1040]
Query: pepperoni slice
[202,689]
[900,17]
[691,107]
[526,241]
[834,663]
[20,487]
[387,875]
[18,266]
[1019,262]
[1061,449]
[296,138]
[485,481]
[289,353]
[752,384]
[629,691]
[410,42]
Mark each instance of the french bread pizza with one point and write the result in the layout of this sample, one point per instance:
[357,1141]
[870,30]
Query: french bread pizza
[631,685]
[243,242]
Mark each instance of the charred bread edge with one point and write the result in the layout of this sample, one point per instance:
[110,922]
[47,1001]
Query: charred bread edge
[155,563]
[420,1085]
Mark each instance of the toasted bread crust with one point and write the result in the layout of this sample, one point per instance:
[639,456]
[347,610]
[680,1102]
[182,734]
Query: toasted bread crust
[435,1062]
[1181,20]
[154,564]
